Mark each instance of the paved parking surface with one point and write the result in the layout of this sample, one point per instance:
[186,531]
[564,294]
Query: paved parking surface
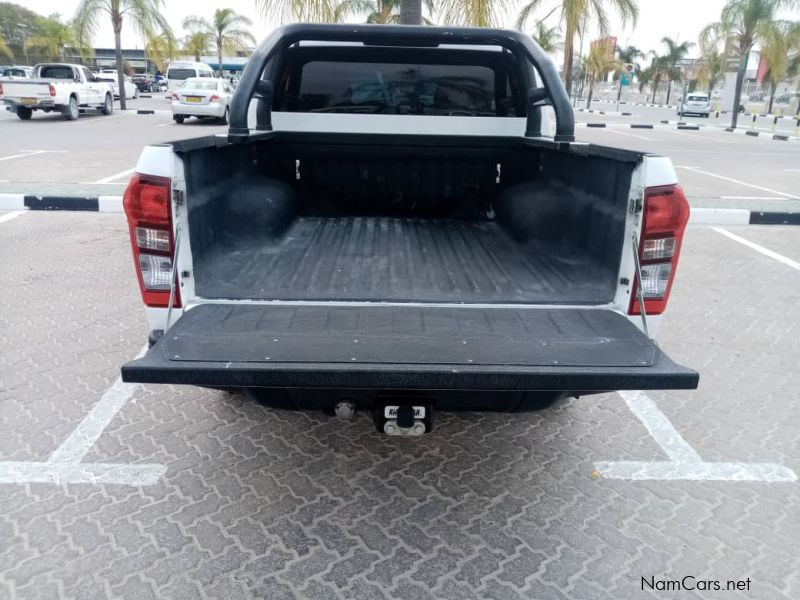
[263,503]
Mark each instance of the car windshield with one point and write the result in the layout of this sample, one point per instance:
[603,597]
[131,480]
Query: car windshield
[180,74]
[199,84]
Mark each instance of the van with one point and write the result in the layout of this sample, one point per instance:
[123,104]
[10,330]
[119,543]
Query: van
[180,71]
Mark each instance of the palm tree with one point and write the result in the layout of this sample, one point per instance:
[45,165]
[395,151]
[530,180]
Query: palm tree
[775,51]
[377,11]
[476,13]
[744,23]
[56,36]
[196,44]
[711,69]
[600,63]
[549,38]
[144,15]
[411,12]
[630,55]
[226,31]
[4,49]
[574,14]
[675,53]
[161,49]
[309,11]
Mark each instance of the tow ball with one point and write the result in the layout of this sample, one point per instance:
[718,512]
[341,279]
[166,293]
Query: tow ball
[403,417]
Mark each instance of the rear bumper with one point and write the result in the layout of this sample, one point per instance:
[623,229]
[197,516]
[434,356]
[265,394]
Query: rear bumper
[566,350]
[12,104]
[198,110]
[696,111]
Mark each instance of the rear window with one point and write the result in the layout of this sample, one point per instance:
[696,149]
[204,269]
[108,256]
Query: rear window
[181,74]
[56,72]
[395,88]
[200,85]
[14,73]
[693,98]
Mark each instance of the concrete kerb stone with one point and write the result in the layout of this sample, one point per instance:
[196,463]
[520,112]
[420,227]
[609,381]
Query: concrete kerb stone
[61,203]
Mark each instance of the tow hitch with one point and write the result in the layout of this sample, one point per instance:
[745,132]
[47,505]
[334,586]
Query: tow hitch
[403,416]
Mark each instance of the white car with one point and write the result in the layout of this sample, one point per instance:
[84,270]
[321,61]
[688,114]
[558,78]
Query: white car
[696,103]
[131,91]
[202,97]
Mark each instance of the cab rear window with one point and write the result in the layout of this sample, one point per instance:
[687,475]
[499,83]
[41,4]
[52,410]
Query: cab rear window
[56,72]
[181,74]
[390,83]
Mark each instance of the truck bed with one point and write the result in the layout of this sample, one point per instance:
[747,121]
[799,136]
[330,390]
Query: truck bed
[395,259]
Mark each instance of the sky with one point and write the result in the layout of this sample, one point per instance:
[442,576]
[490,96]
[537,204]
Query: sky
[678,19]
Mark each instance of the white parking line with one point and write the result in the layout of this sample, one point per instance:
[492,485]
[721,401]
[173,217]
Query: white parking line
[32,153]
[743,183]
[751,198]
[65,466]
[758,248]
[166,124]
[114,177]
[684,464]
[10,216]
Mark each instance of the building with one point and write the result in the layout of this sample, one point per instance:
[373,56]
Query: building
[104,58]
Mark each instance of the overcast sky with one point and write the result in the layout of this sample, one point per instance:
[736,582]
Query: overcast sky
[681,19]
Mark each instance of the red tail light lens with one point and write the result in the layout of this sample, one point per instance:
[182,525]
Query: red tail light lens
[1,89]
[214,98]
[175,97]
[666,212]
[147,206]
[52,90]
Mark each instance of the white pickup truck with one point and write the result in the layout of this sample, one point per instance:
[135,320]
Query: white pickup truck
[58,87]
[388,226]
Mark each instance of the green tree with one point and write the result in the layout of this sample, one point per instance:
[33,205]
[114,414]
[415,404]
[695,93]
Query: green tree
[161,49]
[144,15]
[475,13]
[669,61]
[783,37]
[744,23]
[17,24]
[599,64]
[549,38]
[4,49]
[573,15]
[630,55]
[196,44]
[377,11]
[711,69]
[226,31]
[55,38]
[309,11]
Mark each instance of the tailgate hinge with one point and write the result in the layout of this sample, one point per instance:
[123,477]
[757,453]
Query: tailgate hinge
[178,197]
[637,201]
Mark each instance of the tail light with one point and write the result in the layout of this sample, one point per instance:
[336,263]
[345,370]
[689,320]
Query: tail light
[1,89]
[175,96]
[52,90]
[666,213]
[214,98]
[147,206]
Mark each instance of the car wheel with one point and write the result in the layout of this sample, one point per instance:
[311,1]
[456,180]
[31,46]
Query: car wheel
[24,113]
[224,119]
[178,118]
[108,105]
[71,111]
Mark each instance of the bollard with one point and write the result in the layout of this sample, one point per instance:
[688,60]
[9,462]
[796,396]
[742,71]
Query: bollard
[797,126]
[774,123]
[716,115]
[753,124]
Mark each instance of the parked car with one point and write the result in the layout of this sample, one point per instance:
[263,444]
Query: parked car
[695,103]
[180,71]
[396,226]
[59,87]
[145,83]
[131,89]
[15,72]
[203,98]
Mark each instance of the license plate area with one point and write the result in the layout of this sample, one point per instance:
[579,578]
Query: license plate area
[193,99]
[29,101]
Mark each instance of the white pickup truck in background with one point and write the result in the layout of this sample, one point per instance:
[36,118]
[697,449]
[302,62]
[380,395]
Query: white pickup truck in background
[59,87]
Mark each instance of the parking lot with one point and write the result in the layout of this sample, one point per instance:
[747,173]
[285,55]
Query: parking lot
[121,490]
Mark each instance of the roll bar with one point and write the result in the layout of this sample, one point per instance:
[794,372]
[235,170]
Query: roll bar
[251,84]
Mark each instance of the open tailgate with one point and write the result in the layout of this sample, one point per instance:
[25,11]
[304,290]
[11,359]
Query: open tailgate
[391,347]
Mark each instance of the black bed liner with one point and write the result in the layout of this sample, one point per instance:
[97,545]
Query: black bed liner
[408,347]
[396,259]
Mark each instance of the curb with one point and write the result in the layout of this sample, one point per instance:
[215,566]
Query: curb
[741,216]
[65,203]
[664,124]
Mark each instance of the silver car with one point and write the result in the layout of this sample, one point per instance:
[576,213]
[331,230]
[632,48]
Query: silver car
[202,97]
[695,103]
